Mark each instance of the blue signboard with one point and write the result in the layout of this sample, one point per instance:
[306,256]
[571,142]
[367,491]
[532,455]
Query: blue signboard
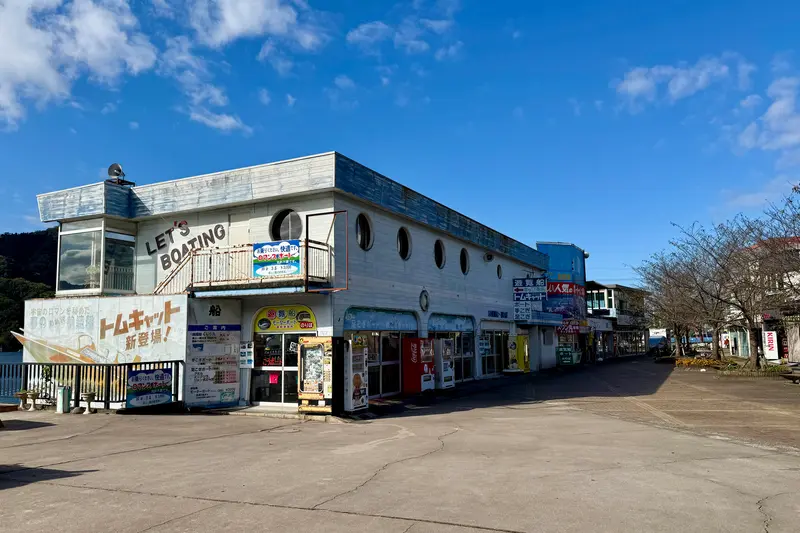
[148,387]
[276,259]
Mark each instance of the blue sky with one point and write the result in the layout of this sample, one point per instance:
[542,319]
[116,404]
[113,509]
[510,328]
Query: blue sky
[598,123]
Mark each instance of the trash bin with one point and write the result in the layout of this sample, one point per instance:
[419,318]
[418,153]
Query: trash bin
[62,399]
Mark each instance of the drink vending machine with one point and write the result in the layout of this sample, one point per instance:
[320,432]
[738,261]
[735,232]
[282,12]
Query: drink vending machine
[356,386]
[417,365]
[444,351]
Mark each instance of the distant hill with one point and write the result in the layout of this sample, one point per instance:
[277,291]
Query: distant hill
[27,270]
[30,256]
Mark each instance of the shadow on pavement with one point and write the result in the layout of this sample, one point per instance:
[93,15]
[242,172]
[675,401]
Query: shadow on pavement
[16,475]
[20,425]
[640,374]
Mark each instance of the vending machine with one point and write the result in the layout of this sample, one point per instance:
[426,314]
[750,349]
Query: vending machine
[443,363]
[417,365]
[321,373]
[356,387]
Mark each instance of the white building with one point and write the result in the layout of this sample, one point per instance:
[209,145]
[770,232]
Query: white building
[377,262]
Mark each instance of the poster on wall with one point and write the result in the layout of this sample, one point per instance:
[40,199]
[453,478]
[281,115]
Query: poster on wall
[246,357]
[212,365]
[125,329]
[278,319]
[276,259]
[146,388]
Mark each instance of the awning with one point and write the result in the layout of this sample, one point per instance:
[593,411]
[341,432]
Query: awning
[441,322]
[366,319]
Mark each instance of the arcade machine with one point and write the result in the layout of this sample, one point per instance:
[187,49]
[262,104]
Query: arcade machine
[417,365]
[443,363]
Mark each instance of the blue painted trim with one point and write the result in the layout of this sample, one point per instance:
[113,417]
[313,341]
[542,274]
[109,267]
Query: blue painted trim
[366,319]
[248,292]
[443,322]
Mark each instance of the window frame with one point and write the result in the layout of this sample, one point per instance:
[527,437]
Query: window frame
[370,233]
[463,261]
[404,231]
[283,214]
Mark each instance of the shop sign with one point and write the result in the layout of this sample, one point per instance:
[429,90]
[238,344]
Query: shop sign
[497,314]
[771,345]
[148,387]
[599,324]
[528,294]
[569,329]
[363,319]
[212,365]
[792,319]
[124,329]
[565,355]
[562,288]
[484,346]
[246,355]
[276,259]
[281,319]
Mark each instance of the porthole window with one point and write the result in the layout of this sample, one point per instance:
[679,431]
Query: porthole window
[438,254]
[363,232]
[499,272]
[286,225]
[404,243]
[464,261]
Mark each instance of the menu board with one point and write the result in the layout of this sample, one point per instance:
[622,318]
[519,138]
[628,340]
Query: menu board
[212,366]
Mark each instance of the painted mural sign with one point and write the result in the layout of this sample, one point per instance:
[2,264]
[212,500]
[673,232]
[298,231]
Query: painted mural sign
[285,318]
[566,299]
[212,365]
[171,250]
[276,259]
[148,387]
[127,329]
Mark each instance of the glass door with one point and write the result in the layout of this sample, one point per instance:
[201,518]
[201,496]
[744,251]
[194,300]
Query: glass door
[391,376]
[274,377]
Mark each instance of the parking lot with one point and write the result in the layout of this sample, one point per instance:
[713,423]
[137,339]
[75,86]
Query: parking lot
[630,446]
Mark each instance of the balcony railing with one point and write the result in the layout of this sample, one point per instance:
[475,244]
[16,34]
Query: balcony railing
[232,267]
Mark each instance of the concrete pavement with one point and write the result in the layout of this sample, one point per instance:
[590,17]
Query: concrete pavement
[613,448]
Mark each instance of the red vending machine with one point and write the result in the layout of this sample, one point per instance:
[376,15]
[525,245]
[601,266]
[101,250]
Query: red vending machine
[417,365]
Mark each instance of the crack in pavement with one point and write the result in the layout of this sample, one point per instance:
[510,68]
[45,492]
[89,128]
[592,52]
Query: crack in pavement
[187,515]
[221,501]
[375,474]
[155,446]
[768,517]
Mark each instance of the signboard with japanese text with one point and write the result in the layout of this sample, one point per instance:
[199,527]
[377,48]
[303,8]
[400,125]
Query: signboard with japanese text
[566,299]
[771,345]
[212,365]
[276,259]
[125,329]
[528,293]
[285,318]
[148,387]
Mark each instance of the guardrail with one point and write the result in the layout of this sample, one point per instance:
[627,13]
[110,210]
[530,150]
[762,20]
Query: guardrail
[107,382]
[233,265]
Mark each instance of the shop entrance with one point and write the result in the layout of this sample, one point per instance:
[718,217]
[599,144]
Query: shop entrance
[384,359]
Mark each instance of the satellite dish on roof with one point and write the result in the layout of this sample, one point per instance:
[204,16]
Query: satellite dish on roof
[115,171]
[116,175]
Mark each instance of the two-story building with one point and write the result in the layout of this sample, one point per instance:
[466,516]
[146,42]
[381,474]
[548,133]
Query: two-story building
[260,256]
[624,308]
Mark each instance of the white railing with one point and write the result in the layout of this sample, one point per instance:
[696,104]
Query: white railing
[233,266]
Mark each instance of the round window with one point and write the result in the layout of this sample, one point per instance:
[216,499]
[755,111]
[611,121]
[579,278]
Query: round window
[499,272]
[464,261]
[363,232]
[404,243]
[286,225]
[438,254]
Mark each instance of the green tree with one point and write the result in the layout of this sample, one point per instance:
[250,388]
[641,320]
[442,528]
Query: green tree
[13,293]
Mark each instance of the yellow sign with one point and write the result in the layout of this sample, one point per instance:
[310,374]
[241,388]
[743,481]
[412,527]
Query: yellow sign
[285,318]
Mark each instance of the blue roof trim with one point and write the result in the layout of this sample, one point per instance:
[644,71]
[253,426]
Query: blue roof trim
[366,184]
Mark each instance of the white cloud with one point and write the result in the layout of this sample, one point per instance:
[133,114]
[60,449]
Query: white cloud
[752,100]
[771,191]
[368,34]
[220,121]
[409,37]
[191,72]
[290,100]
[282,64]
[45,45]
[641,84]
[781,122]
[576,106]
[133,125]
[782,62]
[744,71]
[264,97]
[344,82]
[438,26]
[163,8]
[109,107]
[748,138]
[448,52]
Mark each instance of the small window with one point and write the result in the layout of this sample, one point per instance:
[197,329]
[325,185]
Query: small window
[464,261]
[404,243]
[438,254]
[286,225]
[499,272]
[363,232]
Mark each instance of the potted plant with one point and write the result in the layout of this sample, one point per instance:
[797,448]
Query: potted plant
[88,397]
[23,398]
